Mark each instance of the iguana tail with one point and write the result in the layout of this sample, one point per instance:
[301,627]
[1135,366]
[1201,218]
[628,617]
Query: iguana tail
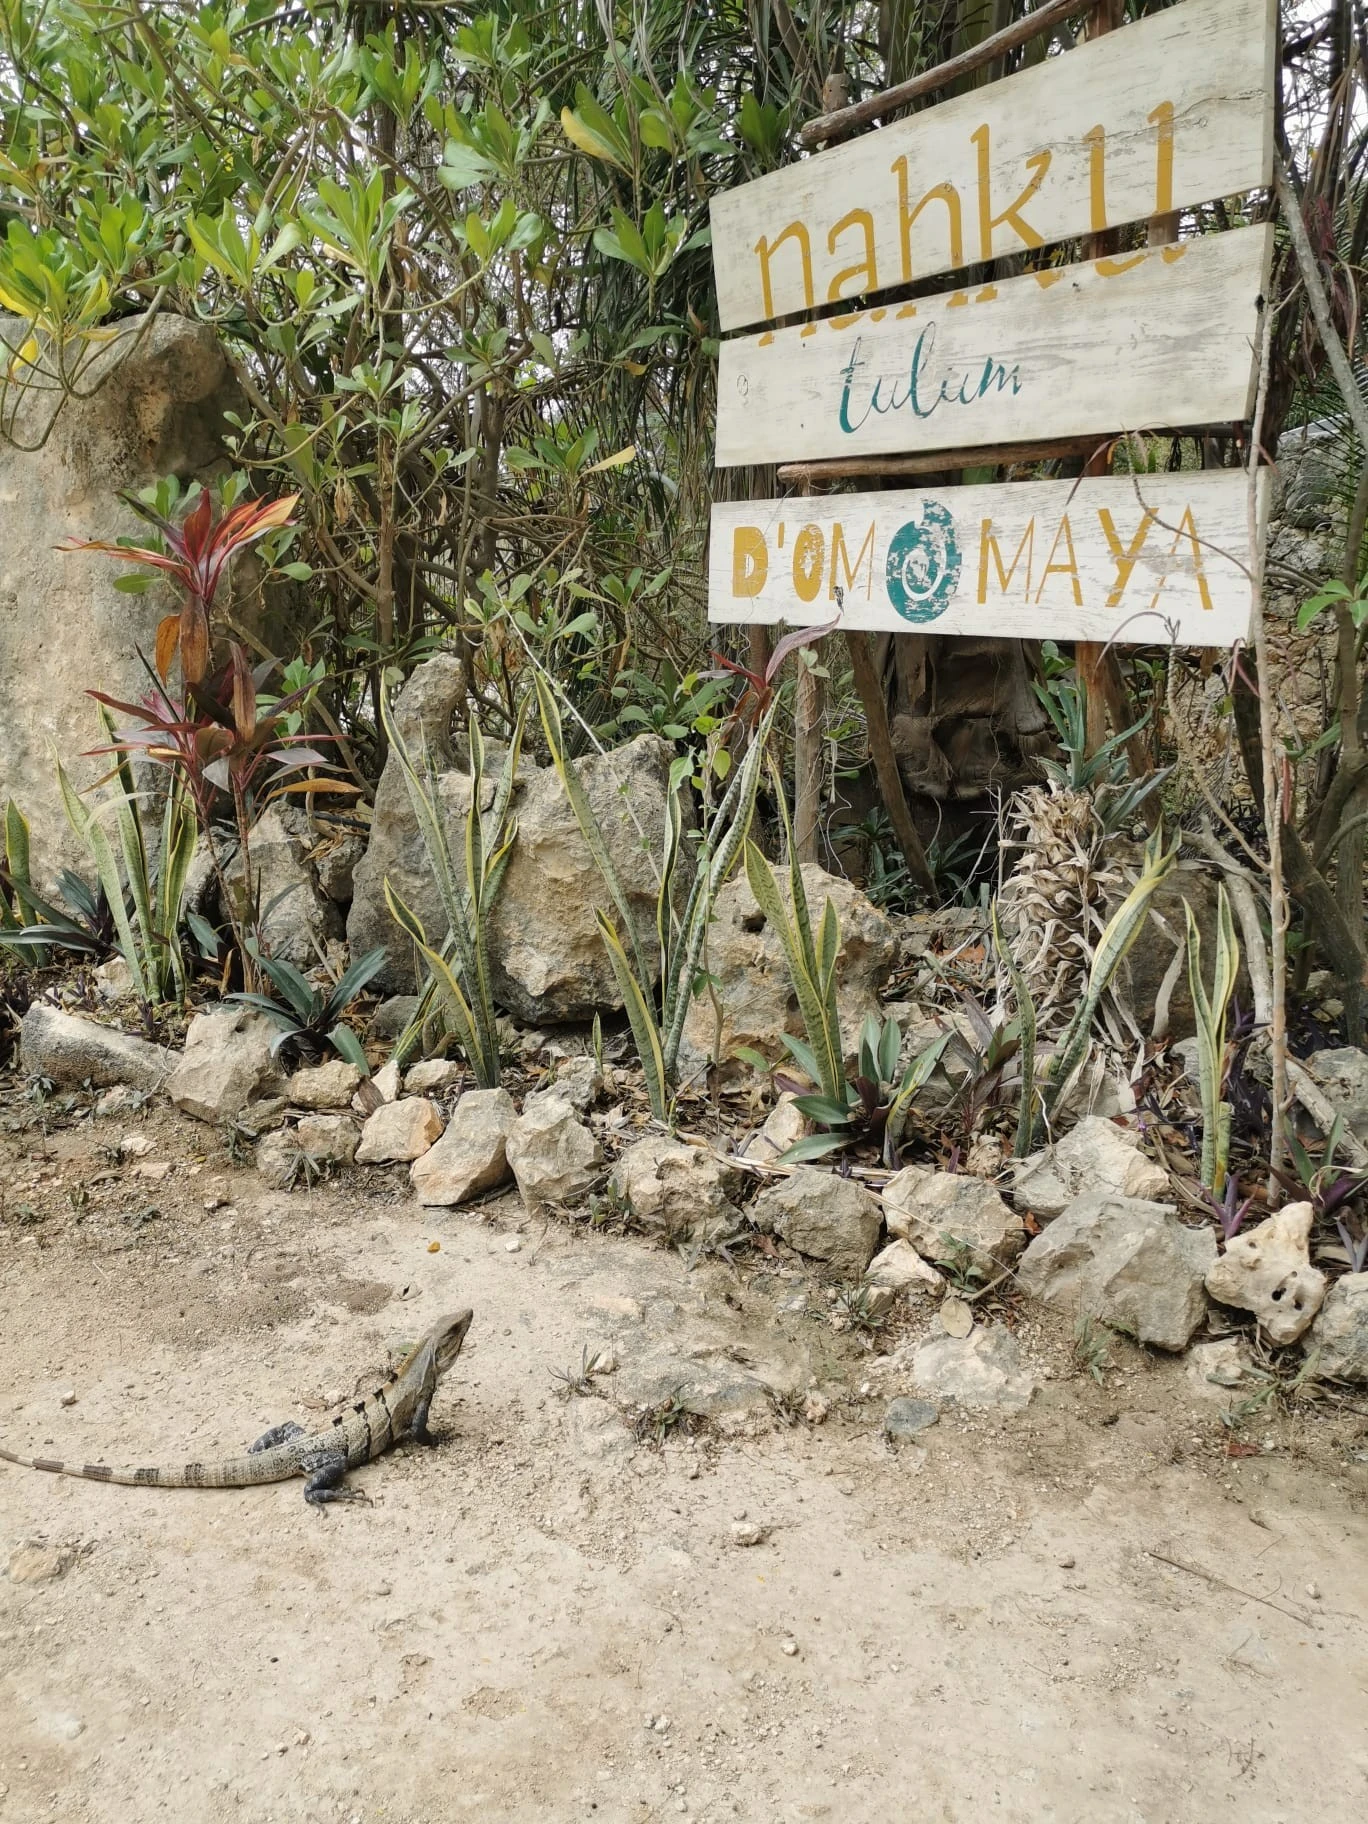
[231,1472]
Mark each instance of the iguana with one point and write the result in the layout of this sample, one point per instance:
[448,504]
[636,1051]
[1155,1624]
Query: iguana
[396,1410]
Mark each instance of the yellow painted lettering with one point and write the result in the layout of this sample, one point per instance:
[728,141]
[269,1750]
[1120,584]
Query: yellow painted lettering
[1064,534]
[1162,118]
[1011,217]
[766,249]
[988,546]
[865,270]
[1095,139]
[907,215]
[750,561]
[840,554]
[1187,531]
[1112,267]
[1123,556]
[809,563]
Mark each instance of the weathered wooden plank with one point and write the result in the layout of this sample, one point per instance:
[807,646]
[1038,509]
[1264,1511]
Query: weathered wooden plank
[1144,559]
[1163,114]
[1157,338]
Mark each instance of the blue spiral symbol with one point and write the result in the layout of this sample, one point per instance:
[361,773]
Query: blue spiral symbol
[924,563]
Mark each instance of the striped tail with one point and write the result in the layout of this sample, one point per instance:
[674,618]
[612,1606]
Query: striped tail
[233,1472]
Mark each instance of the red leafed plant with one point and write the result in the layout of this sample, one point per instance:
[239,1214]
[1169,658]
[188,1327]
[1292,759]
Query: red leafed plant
[197,552]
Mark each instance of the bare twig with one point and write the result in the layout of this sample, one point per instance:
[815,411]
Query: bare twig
[1220,1583]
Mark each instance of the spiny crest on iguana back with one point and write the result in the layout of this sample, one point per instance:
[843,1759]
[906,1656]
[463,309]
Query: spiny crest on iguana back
[397,1410]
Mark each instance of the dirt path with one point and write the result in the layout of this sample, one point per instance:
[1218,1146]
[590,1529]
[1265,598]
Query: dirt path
[544,1619]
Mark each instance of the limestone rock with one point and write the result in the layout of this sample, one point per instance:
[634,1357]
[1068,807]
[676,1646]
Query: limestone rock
[746,958]
[983,1370]
[1126,1262]
[784,1126]
[1338,1344]
[1267,1270]
[1213,1370]
[399,1131]
[70,1051]
[827,1218]
[471,1157]
[901,1268]
[150,403]
[34,1562]
[675,1189]
[433,1077]
[578,1081]
[330,1085]
[278,1159]
[547,958]
[382,1086]
[330,1138]
[296,917]
[554,1157]
[943,1214]
[1343,1074]
[227,1059]
[907,1418]
[1097,1155]
[392,1017]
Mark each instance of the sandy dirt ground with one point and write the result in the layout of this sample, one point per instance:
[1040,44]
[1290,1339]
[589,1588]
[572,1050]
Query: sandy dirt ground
[1086,1612]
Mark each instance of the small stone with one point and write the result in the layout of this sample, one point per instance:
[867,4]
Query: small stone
[906,1418]
[472,1155]
[953,1219]
[67,1728]
[122,1099]
[330,1085]
[748,1532]
[512,1245]
[1313,1591]
[68,1396]
[1337,1348]
[661,1724]
[784,1127]
[434,1247]
[790,1647]
[553,1155]
[678,1191]
[900,1266]
[35,1563]
[134,1146]
[956,1318]
[982,1370]
[1267,1270]
[433,1077]
[386,1081]
[1214,1368]
[227,1059]
[827,1218]
[331,1139]
[399,1131]
[1067,1562]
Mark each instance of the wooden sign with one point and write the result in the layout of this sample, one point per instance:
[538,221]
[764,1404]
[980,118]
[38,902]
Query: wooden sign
[1152,339]
[1150,559]
[1158,116]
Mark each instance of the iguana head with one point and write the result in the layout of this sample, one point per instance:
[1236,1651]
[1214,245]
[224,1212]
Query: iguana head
[447,1336]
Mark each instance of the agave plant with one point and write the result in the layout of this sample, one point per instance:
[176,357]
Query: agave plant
[458,961]
[657,1017]
[310,1019]
[194,555]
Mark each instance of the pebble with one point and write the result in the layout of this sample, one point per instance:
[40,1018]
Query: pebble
[1313,1591]
[790,1647]
[512,1245]
[748,1532]
[68,1396]
[36,1564]
[68,1727]
[905,1418]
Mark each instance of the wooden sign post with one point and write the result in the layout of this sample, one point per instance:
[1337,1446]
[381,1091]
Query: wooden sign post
[1137,124]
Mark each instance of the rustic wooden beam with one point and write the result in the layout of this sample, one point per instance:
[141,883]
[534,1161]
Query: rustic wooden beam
[870,686]
[931,462]
[849,120]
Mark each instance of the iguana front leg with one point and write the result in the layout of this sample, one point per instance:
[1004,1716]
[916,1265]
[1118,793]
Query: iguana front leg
[325,1470]
[418,1430]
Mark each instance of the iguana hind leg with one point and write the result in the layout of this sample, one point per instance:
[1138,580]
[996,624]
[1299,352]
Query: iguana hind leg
[325,1472]
[278,1434]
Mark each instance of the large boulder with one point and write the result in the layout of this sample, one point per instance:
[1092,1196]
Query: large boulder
[1097,1155]
[1126,1262]
[472,1155]
[547,958]
[297,918]
[1343,1074]
[677,1190]
[70,1051]
[746,960]
[151,403]
[554,1156]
